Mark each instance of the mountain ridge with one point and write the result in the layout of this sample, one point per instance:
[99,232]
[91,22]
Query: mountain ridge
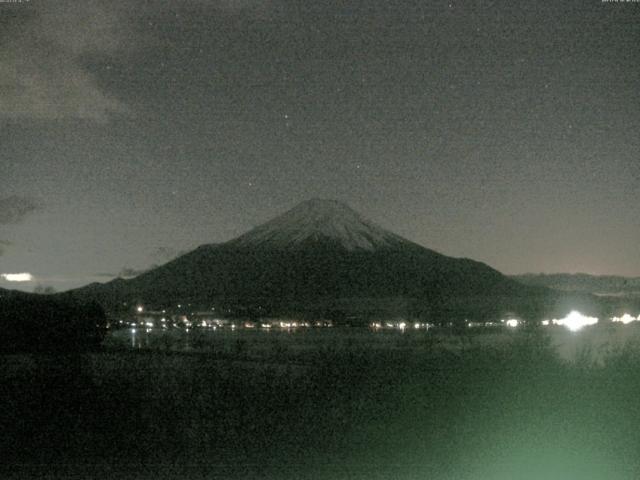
[583,282]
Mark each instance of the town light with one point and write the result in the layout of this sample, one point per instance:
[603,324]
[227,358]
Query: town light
[624,319]
[575,321]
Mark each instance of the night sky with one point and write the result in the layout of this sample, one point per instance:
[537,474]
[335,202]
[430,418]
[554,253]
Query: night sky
[507,132]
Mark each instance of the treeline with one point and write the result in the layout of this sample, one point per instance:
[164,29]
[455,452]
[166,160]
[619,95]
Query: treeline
[43,323]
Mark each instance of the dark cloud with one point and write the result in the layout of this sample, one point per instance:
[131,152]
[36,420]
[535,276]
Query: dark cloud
[14,209]
[47,48]
[42,71]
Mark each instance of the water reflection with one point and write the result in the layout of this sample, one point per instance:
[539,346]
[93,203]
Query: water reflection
[259,342]
[144,338]
[139,337]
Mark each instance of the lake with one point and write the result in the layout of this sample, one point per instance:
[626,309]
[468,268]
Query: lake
[327,404]
[593,343]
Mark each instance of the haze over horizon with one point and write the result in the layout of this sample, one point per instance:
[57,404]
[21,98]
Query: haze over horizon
[130,133]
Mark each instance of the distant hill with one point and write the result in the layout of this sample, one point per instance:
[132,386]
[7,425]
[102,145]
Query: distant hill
[46,323]
[321,258]
[582,282]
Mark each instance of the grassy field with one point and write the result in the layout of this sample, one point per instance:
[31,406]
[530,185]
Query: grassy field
[340,406]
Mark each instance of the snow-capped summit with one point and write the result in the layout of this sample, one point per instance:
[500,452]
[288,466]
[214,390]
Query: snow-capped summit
[320,220]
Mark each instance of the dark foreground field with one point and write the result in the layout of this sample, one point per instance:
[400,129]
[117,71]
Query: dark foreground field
[342,410]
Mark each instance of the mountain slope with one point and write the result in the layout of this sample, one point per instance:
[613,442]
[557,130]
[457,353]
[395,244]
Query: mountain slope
[582,282]
[319,256]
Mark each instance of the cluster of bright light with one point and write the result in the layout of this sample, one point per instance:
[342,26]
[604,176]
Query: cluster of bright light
[626,318]
[484,324]
[574,321]
[402,326]
[17,277]
[512,322]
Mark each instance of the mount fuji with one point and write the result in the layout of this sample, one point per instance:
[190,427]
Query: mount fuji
[321,258]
